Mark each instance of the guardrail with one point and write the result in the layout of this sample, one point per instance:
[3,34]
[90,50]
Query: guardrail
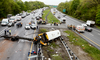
[72,56]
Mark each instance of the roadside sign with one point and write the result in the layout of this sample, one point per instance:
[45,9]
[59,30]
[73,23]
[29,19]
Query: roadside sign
[64,10]
[33,56]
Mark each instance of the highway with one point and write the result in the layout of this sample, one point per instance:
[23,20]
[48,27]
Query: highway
[92,37]
[18,50]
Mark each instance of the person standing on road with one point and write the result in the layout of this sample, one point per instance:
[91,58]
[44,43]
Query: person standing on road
[60,23]
[5,31]
[9,32]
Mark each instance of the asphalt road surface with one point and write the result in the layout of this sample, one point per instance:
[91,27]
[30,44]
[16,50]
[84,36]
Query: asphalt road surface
[18,50]
[92,37]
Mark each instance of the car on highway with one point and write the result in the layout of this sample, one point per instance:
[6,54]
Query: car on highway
[27,26]
[9,15]
[37,18]
[33,26]
[4,22]
[23,15]
[58,16]
[13,19]
[87,28]
[64,15]
[85,25]
[27,14]
[19,24]
[18,18]
[63,20]
[10,24]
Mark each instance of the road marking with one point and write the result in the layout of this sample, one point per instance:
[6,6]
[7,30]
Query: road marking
[3,30]
[73,19]
[90,40]
[31,46]
[91,34]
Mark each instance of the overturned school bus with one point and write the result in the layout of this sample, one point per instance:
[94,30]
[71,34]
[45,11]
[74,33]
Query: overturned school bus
[42,38]
[48,36]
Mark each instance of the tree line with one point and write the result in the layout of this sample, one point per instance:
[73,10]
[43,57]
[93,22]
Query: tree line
[17,6]
[82,9]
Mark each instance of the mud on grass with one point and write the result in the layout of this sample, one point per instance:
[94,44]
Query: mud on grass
[55,50]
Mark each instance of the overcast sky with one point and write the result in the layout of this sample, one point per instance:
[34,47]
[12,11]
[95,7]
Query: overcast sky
[49,2]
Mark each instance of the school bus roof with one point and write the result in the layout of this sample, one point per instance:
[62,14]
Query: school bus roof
[53,34]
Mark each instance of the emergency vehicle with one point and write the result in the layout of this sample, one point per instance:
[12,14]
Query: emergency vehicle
[80,28]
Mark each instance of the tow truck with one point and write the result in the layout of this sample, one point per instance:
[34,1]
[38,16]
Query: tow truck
[42,38]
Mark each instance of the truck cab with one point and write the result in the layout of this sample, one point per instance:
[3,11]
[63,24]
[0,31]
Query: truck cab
[4,22]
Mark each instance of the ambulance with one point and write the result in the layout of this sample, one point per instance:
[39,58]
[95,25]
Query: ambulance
[80,28]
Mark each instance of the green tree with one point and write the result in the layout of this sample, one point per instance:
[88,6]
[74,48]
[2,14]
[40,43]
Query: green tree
[98,16]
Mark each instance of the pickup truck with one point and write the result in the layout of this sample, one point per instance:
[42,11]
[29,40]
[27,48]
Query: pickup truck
[19,24]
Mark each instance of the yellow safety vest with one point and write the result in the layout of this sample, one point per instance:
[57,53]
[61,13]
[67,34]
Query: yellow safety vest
[9,30]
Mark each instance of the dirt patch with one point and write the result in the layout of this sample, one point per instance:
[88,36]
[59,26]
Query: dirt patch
[79,52]
[4,46]
[49,51]
[55,50]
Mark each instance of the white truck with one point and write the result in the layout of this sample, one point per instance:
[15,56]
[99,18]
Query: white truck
[13,19]
[4,22]
[80,28]
[90,23]
[18,18]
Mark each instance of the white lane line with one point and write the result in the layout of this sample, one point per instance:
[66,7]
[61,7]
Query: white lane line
[3,41]
[2,31]
[96,30]
[91,34]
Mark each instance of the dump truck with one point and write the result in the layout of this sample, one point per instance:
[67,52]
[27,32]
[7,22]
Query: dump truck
[90,23]
[42,38]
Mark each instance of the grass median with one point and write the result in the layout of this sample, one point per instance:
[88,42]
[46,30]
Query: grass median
[45,13]
[43,30]
[51,18]
[77,40]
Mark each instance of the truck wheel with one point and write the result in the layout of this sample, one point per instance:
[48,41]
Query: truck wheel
[12,39]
